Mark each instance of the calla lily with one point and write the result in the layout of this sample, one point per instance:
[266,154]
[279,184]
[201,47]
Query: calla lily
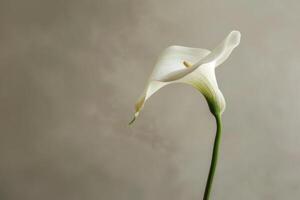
[194,66]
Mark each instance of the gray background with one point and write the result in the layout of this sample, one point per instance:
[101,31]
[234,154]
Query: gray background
[71,71]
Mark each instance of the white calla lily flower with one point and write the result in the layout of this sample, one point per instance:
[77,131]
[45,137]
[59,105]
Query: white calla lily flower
[193,66]
[196,67]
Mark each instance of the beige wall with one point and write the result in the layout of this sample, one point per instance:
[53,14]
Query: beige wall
[70,72]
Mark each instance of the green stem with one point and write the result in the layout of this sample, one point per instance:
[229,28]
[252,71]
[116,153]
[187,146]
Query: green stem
[214,159]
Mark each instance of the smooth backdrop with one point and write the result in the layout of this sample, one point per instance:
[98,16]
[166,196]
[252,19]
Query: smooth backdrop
[71,71]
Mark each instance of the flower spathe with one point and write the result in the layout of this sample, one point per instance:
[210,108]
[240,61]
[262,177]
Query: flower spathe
[194,66]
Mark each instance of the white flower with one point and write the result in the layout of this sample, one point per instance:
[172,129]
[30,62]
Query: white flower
[193,66]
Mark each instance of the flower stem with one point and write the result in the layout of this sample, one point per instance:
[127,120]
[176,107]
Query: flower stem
[214,159]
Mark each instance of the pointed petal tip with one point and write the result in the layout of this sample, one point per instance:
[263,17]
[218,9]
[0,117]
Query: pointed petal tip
[131,122]
[235,32]
[134,118]
[234,38]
